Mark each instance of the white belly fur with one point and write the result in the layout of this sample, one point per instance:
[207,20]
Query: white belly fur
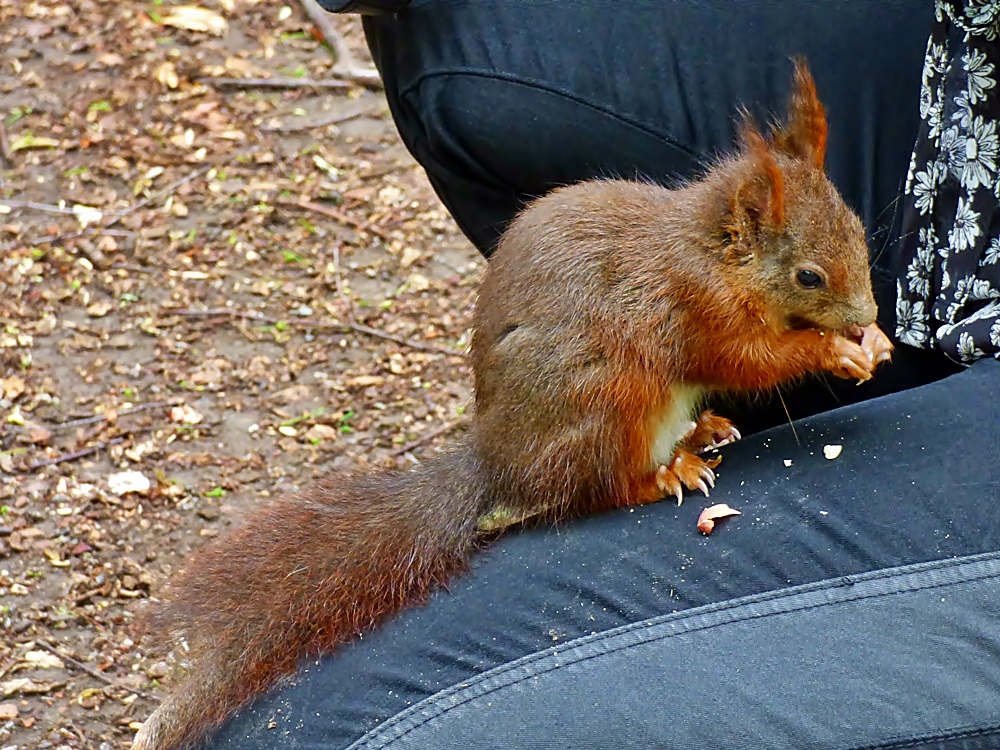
[674,423]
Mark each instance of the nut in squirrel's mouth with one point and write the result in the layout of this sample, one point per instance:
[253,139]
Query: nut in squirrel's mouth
[853,332]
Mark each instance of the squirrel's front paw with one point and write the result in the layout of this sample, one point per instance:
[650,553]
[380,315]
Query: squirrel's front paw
[688,470]
[848,360]
[876,344]
[710,432]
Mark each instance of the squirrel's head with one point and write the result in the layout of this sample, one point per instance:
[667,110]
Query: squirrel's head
[790,227]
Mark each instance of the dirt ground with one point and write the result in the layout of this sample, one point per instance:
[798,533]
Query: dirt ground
[209,292]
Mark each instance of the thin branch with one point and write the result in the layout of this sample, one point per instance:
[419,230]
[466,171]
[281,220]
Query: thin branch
[319,324]
[427,437]
[168,190]
[35,206]
[345,65]
[83,452]
[125,212]
[91,671]
[337,214]
[123,413]
[334,119]
[274,83]
[339,282]
[5,151]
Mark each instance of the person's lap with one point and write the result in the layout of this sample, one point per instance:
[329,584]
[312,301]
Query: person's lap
[911,486]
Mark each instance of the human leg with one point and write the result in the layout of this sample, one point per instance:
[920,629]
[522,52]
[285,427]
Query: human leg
[916,485]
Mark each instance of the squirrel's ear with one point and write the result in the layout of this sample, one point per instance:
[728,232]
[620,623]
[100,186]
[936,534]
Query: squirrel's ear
[758,202]
[804,135]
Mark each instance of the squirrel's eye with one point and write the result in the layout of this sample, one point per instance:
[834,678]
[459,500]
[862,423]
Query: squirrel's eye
[809,279]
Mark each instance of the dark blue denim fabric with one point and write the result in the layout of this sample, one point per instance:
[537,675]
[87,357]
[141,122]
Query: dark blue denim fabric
[718,648]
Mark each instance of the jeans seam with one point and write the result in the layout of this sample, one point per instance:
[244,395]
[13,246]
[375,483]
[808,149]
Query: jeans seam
[540,86]
[827,584]
[916,742]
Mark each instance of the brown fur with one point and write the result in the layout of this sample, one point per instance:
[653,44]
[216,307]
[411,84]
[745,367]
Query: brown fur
[605,305]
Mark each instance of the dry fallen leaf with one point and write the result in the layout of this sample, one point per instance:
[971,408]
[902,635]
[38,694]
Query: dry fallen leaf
[125,482]
[100,309]
[28,140]
[711,514]
[410,256]
[185,414]
[87,215]
[43,660]
[12,387]
[110,59]
[37,434]
[321,433]
[166,74]
[24,686]
[193,18]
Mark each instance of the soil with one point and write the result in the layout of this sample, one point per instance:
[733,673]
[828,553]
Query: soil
[207,296]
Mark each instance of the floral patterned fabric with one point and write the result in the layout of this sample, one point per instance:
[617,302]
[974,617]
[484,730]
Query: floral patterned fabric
[948,291]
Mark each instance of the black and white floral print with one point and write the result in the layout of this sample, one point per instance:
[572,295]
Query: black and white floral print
[948,287]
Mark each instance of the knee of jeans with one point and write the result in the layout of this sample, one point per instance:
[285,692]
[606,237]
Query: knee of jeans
[528,138]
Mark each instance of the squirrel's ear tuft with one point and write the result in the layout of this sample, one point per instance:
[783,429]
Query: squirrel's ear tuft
[804,135]
[758,200]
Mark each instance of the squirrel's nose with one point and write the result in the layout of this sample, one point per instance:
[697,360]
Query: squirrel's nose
[864,312]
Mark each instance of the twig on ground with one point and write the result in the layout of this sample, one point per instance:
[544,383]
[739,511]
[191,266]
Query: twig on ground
[427,437]
[122,413]
[7,667]
[338,280]
[334,119]
[320,324]
[123,213]
[345,65]
[274,83]
[83,452]
[35,206]
[168,190]
[91,671]
[337,214]
[81,598]
[5,151]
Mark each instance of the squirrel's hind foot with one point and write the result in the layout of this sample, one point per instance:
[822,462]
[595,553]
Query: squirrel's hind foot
[686,470]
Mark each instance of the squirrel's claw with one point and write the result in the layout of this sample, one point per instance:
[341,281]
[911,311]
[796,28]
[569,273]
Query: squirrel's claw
[693,471]
[709,433]
[669,483]
[876,344]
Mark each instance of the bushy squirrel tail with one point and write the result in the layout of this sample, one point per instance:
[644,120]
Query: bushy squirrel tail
[305,574]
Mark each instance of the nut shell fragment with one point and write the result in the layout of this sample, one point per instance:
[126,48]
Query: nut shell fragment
[708,517]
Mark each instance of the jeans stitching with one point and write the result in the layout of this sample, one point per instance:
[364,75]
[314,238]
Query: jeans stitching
[827,584]
[535,84]
[958,734]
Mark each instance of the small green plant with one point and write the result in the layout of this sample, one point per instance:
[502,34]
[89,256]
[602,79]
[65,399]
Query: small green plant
[311,415]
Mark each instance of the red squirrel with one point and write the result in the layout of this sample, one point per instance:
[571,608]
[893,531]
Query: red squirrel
[608,313]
